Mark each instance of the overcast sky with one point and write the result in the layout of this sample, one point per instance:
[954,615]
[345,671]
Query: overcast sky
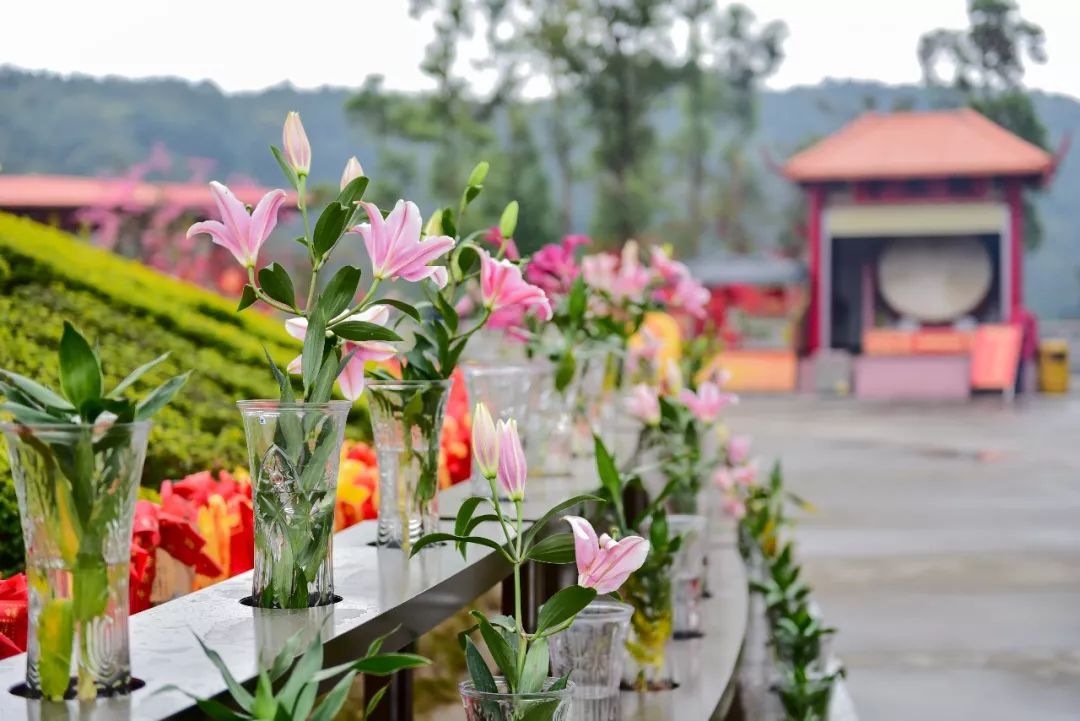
[248,44]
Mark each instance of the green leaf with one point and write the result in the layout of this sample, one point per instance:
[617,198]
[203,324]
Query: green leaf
[564,373]
[432,538]
[283,380]
[478,670]
[160,396]
[385,664]
[562,607]
[247,298]
[558,549]
[536,667]
[37,392]
[240,695]
[135,375]
[218,711]
[277,284]
[478,173]
[447,311]
[305,701]
[360,330]
[339,292]
[311,358]
[323,387]
[80,369]
[578,300]
[25,414]
[353,192]
[508,220]
[302,673]
[334,699]
[500,650]
[470,195]
[374,701]
[609,475]
[265,705]
[286,169]
[543,521]
[400,305]
[465,512]
[329,227]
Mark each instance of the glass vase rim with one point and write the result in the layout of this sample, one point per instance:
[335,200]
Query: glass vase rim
[99,427]
[505,368]
[398,384]
[603,610]
[468,689]
[271,404]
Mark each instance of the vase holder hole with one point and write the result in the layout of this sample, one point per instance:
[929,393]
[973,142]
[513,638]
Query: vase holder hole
[668,685]
[249,601]
[687,635]
[23,691]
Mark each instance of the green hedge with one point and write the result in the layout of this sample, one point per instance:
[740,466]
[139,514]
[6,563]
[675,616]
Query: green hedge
[135,314]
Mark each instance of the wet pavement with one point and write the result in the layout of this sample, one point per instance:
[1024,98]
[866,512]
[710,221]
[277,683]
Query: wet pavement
[945,547]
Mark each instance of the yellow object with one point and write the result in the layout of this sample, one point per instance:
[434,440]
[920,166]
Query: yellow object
[770,371]
[1054,366]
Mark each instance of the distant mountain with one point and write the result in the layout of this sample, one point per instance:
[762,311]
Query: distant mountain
[52,124]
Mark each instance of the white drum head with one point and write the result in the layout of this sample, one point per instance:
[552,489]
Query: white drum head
[935,280]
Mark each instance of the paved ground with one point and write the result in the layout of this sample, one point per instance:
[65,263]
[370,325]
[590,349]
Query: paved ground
[946,548]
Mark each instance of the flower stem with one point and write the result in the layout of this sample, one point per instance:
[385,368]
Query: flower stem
[523,643]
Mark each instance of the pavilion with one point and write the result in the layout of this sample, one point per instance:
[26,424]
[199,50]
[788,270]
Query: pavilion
[916,242]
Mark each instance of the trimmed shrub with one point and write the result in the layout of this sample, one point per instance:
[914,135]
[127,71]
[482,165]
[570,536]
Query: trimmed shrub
[134,314]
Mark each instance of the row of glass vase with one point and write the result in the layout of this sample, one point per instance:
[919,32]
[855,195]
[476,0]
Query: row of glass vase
[78,567]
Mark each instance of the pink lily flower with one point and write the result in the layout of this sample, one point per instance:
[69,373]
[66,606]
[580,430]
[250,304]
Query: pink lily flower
[239,233]
[670,270]
[644,404]
[604,563]
[295,144]
[512,468]
[746,475]
[622,277]
[707,403]
[734,507]
[351,379]
[502,286]
[738,450]
[396,248]
[724,479]
[485,442]
[553,267]
[353,170]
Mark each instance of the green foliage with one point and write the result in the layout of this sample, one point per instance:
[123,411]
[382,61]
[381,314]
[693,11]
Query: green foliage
[298,683]
[134,313]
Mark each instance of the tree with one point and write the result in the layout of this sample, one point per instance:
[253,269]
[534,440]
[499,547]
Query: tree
[987,68]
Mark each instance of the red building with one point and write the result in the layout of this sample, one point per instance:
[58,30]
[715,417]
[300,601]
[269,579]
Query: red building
[915,232]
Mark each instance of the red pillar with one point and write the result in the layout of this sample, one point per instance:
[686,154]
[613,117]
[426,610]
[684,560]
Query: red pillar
[1015,198]
[816,197]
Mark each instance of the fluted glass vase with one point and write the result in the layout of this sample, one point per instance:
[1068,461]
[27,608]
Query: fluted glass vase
[294,450]
[407,422]
[76,487]
[649,591]
[503,706]
[592,651]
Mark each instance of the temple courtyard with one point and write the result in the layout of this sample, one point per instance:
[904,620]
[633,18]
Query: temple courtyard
[945,546]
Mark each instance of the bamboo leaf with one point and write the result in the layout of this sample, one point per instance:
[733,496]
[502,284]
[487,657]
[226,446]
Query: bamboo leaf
[80,369]
[160,396]
[136,375]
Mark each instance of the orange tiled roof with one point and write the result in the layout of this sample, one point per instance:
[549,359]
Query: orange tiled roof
[918,145]
[72,191]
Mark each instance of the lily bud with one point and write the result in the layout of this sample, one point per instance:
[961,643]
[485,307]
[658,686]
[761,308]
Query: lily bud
[512,468]
[296,145]
[485,442]
[353,170]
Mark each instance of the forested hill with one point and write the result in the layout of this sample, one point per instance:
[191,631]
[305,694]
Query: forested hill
[52,124]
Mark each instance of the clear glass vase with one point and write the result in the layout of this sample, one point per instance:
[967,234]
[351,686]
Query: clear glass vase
[688,573]
[506,389]
[649,592]
[407,422]
[592,650]
[503,706]
[76,487]
[294,450]
[551,427]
